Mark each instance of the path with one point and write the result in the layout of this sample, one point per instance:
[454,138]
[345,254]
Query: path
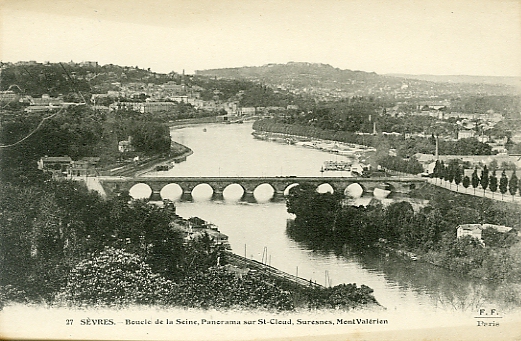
[478,192]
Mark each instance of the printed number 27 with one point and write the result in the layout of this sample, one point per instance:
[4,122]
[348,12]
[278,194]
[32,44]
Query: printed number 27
[68,322]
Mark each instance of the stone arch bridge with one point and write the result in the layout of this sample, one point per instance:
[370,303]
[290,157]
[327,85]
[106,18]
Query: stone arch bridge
[116,185]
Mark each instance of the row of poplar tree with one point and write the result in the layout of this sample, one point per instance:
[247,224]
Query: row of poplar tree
[453,172]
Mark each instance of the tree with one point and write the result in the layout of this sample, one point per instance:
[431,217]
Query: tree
[202,253]
[493,182]
[442,171]
[451,170]
[398,216]
[458,176]
[513,183]
[503,183]
[484,178]
[436,170]
[314,210]
[115,277]
[475,179]
[144,229]
[466,182]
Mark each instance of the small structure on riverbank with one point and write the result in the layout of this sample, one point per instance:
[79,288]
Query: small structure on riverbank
[475,230]
[195,227]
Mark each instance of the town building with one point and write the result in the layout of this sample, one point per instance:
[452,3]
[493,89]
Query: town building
[475,230]
[465,134]
[125,145]
[247,111]
[84,167]
[57,165]
[8,96]
[155,107]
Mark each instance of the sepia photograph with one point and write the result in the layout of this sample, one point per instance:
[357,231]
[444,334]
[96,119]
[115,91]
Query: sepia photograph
[260,170]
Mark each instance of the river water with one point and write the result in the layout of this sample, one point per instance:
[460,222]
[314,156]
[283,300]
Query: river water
[258,230]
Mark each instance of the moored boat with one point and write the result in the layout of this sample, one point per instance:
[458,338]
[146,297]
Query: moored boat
[337,166]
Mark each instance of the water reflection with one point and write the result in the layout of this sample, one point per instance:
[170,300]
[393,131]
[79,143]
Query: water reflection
[446,290]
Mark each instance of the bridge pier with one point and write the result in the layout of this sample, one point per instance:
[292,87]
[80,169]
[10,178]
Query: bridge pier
[186,196]
[277,196]
[217,195]
[248,197]
[155,196]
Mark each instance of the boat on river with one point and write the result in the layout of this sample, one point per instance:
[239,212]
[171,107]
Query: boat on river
[164,167]
[337,166]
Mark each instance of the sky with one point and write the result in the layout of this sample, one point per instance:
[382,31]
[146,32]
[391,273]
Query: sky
[440,37]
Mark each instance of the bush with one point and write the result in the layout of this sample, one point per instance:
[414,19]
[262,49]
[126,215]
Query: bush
[115,277]
[8,293]
[218,288]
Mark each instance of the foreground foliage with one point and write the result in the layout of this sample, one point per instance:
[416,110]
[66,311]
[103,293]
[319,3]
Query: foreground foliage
[115,277]
[61,244]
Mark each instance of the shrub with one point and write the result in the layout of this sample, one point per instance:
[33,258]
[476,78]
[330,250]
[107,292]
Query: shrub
[115,277]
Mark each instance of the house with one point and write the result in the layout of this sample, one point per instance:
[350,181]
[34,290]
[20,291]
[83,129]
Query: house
[125,145]
[475,230]
[464,134]
[247,111]
[179,98]
[101,108]
[89,63]
[155,107]
[46,100]
[8,96]
[57,165]
[84,167]
[230,107]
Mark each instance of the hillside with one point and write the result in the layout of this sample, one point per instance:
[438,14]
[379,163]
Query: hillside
[327,82]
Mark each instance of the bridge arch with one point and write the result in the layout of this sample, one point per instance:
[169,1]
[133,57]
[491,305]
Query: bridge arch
[140,191]
[325,188]
[171,191]
[202,192]
[382,190]
[354,190]
[289,187]
[264,192]
[233,192]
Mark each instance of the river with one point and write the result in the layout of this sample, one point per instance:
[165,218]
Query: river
[258,230]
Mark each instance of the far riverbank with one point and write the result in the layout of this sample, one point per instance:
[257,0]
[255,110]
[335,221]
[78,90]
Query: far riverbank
[178,153]
[192,121]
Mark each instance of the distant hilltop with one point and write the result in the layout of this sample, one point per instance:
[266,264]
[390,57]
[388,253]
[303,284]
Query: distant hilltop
[326,82]
[288,69]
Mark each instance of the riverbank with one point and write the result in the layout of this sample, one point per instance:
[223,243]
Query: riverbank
[166,161]
[270,125]
[192,121]
[330,146]
[139,166]
[361,148]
